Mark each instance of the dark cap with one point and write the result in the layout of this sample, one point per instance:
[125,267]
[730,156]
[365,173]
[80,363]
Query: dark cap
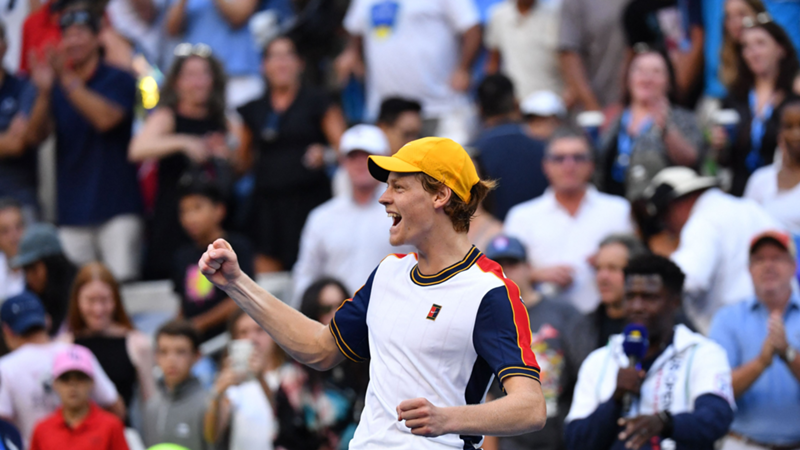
[82,17]
[39,241]
[23,312]
[505,247]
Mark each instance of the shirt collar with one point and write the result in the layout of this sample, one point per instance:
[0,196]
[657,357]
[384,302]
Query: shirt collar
[84,423]
[794,301]
[549,196]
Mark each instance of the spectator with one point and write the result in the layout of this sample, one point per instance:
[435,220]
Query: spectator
[346,237]
[97,320]
[12,226]
[242,409]
[676,26]
[760,336]
[222,25]
[140,22]
[415,48]
[40,30]
[560,341]
[735,13]
[612,257]
[288,128]
[48,273]
[175,414]
[202,213]
[776,187]
[78,424]
[714,229]
[651,133]
[318,409]
[26,395]
[17,159]
[767,68]
[400,121]
[562,228]
[9,435]
[504,139]
[484,226]
[91,106]
[591,46]
[522,38]
[544,113]
[186,133]
[12,17]
[715,18]
[680,394]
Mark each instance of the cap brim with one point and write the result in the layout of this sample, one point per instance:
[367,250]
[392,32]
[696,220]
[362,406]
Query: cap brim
[23,260]
[694,185]
[25,324]
[381,166]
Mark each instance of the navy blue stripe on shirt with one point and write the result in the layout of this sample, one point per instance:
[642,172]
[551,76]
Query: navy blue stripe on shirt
[349,324]
[476,389]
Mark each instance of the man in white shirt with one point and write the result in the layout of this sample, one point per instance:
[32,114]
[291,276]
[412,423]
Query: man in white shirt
[715,229]
[679,396]
[26,394]
[12,227]
[562,228]
[417,49]
[346,237]
[522,38]
[436,326]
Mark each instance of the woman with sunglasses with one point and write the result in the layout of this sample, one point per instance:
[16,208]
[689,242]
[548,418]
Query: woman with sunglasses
[186,132]
[651,134]
[285,133]
[767,65]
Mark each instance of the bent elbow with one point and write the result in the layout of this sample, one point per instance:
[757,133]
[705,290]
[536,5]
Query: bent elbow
[537,420]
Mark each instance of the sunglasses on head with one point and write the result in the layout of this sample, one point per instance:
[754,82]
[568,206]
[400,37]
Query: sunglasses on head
[186,49]
[81,17]
[560,159]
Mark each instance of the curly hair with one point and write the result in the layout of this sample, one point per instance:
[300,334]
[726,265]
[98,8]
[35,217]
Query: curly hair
[459,211]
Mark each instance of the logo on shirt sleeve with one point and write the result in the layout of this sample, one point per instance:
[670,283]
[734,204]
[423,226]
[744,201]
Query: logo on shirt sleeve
[434,312]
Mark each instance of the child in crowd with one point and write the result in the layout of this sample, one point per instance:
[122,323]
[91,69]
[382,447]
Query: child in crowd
[79,423]
[202,212]
[175,414]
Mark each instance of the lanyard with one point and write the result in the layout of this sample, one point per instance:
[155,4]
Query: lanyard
[757,128]
[625,145]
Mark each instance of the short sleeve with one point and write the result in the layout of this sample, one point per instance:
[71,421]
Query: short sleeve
[462,14]
[349,324]
[570,28]
[355,21]
[27,98]
[491,37]
[723,332]
[119,88]
[502,334]
[711,373]
[104,392]
[695,13]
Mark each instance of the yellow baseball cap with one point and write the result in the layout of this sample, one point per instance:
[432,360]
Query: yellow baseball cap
[440,158]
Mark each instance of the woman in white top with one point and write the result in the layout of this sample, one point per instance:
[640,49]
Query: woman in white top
[777,186]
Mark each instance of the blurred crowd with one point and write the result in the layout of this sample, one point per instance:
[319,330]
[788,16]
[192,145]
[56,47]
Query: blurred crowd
[134,133]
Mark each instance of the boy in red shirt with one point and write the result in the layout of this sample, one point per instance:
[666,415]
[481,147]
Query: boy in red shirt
[78,424]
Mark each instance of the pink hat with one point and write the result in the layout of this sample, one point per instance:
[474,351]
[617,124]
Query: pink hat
[75,358]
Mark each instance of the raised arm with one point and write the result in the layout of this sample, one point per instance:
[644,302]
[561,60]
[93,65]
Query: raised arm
[236,12]
[305,340]
[158,139]
[175,18]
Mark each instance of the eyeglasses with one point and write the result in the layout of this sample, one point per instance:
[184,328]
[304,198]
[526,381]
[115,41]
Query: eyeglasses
[560,159]
[186,49]
[78,18]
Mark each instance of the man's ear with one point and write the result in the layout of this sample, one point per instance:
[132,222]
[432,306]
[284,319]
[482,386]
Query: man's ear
[442,197]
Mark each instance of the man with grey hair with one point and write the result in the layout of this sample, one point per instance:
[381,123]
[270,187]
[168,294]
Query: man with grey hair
[562,228]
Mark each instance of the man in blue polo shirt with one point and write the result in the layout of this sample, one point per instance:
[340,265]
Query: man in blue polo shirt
[90,104]
[17,160]
[761,337]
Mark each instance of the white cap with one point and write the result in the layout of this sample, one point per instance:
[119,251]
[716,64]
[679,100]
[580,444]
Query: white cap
[368,138]
[543,103]
[672,183]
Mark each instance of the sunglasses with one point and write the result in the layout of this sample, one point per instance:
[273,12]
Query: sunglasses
[560,159]
[186,49]
[84,18]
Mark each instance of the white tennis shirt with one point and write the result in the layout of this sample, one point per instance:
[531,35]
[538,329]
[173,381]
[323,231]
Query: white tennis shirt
[441,337]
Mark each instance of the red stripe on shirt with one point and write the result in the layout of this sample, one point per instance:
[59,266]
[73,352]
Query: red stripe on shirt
[521,320]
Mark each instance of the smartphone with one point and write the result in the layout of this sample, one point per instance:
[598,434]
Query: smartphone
[239,351]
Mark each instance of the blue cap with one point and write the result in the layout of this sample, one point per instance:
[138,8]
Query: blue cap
[506,247]
[39,241]
[23,312]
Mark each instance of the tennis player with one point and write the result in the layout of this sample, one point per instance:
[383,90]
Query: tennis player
[436,326]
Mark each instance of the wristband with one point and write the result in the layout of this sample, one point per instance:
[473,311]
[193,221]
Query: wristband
[666,419]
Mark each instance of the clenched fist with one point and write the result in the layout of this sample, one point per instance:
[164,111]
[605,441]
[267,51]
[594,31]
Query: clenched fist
[219,264]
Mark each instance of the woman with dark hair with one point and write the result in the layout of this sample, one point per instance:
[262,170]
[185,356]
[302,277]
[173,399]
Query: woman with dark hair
[765,74]
[651,134]
[287,130]
[735,13]
[187,132]
[97,320]
[319,410]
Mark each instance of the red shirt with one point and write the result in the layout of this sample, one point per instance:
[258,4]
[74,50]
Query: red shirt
[40,30]
[100,430]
